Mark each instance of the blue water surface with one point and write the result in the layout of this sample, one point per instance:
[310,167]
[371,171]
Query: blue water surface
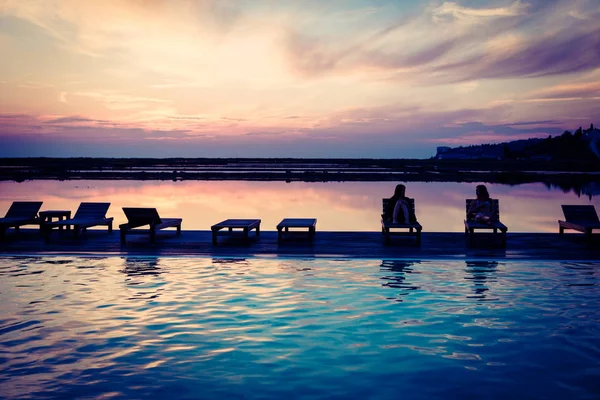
[272,328]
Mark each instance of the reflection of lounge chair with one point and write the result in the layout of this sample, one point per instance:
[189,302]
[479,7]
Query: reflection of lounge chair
[138,217]
[20,213]
[414,228]
[494,223]
[86,216]
[580,218]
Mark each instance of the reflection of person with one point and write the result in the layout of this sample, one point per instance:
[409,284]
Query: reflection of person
[480,209]
[398,209]
[397,277]
[482,272]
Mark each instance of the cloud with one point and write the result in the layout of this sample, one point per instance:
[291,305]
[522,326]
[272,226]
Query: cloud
[456,11]
[14,116]
[263,133]
[34,85]
[477,132]
[453,43]
[569,91]
[548,56]
[74,120]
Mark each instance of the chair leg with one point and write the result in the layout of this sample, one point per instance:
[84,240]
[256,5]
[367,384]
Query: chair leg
[123,234]
[110,227]
[179,229]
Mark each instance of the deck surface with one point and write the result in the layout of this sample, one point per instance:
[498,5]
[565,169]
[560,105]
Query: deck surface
[533,246]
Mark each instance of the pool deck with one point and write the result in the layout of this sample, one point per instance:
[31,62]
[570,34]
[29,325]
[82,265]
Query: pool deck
[447,245]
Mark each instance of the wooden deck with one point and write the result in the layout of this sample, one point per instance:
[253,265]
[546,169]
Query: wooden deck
[531,246]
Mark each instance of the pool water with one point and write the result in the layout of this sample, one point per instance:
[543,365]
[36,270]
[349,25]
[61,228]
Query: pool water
[317,328]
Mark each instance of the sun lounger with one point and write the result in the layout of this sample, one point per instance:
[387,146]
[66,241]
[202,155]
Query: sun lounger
[139,217]
[20,213]
[580,218]
[495,225]
[388,228]
[86,216]
[235,227]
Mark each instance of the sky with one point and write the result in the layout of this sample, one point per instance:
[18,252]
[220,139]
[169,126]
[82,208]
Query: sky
[297,78]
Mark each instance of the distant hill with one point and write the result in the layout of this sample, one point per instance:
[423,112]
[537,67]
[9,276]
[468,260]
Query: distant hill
[581,145]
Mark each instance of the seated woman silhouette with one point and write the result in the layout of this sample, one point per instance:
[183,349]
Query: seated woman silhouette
[480,210]
[398,208]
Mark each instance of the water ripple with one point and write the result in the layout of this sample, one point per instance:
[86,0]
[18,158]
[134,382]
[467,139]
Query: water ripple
[270,328]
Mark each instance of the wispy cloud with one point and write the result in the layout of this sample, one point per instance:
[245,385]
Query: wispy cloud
[570,91]
[74,120]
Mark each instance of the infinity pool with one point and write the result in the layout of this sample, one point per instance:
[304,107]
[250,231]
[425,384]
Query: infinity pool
[290,328]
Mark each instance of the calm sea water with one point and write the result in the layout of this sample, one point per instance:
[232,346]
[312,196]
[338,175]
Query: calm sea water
[338,206]
[290,328]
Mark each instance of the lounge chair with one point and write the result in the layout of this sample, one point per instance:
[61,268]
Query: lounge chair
[20,213]
[138,217]
[494,224]
[580,218]
[86,216]
[414,228]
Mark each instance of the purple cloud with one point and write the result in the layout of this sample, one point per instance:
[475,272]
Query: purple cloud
[71,120]
[587,90]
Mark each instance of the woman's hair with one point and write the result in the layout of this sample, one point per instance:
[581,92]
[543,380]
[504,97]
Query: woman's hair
[400,191]
[482,192]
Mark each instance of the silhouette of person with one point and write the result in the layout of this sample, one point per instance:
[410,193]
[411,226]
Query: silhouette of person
[398,208]
[480,210]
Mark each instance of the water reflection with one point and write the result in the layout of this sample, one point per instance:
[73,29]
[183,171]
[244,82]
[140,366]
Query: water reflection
[141,266]
[22,266]
[481,273]
[140,273]
[397,276]
[338,206]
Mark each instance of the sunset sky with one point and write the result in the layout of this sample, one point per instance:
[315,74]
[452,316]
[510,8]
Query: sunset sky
[304,78]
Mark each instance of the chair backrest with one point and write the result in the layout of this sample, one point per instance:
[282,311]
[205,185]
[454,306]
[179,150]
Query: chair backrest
[411,203]
[24,209]
[495,208]
[586,213]
[141,216]
[91,210]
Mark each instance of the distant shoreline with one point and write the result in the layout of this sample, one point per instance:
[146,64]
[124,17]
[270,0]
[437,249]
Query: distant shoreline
[566,174]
